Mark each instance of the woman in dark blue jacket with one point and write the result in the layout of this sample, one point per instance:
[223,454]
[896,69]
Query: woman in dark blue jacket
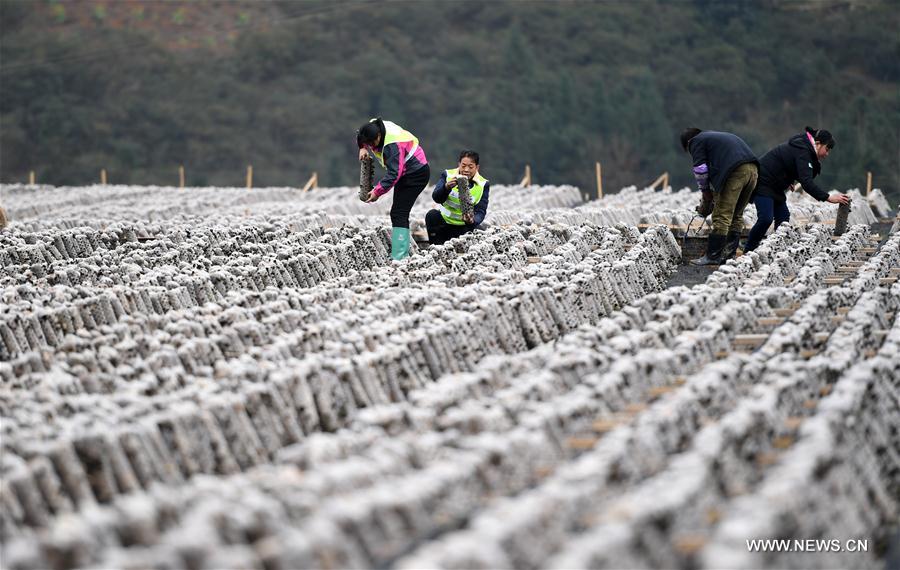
[798,159]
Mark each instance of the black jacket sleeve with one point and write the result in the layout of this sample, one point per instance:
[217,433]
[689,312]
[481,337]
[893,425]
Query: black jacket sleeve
[698,152]
[701,164]
[441,192]
[482,205]
[805,177]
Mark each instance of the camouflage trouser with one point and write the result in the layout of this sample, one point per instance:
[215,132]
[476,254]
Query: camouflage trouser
[728,213]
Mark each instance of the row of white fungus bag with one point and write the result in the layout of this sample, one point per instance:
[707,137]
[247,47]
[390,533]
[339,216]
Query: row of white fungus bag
[629,441]
[216,378]
[338,206]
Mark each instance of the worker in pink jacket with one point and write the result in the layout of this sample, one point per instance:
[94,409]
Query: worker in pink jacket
[406,172]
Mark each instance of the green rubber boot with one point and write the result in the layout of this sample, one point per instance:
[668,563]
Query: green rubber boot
[399,243]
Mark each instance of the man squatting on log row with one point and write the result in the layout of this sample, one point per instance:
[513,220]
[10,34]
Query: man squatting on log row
[449,222]
[722,164]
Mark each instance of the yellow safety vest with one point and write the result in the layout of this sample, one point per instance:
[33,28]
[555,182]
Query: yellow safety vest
[451,209]
[394,133]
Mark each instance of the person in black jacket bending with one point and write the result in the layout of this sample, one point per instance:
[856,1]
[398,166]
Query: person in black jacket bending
[724,167]
[797,159]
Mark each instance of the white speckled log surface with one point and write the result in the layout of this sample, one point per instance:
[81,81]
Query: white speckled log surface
[233,378]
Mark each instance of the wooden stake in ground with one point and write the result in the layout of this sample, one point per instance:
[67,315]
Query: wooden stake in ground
[103,176]
[526,180]
[31,178]
[250,176]
[868,183]
[599,181]
[313,182]
[181,176]
[662,179]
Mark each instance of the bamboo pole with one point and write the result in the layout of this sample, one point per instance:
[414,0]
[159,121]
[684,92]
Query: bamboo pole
[31,178]
[313,182]
[868,183]
[250,176]
[103,176]
[181,176]
[599,181]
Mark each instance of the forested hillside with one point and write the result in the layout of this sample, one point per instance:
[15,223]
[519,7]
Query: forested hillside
[141,87]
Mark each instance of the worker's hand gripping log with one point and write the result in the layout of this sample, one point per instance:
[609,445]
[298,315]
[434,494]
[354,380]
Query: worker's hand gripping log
[707,203]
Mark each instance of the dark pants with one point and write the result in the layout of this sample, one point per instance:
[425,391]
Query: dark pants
[406,191]
[439,231]
[767,211]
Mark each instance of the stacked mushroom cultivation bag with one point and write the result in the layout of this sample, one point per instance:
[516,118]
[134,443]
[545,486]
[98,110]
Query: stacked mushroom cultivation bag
[260,386]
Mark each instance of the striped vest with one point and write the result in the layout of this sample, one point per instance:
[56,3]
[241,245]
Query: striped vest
[394,133]
[451,209]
